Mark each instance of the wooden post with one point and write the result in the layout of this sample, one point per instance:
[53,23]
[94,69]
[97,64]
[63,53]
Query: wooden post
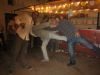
[98,21]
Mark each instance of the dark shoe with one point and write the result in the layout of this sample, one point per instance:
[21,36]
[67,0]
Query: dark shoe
[97,51]
[71,63]
[10,72]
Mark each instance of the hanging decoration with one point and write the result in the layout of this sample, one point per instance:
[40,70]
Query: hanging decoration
[62,7]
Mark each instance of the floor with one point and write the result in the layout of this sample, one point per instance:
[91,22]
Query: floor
[86,65]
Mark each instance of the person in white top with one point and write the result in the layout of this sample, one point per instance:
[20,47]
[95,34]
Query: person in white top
[25,23]
[42,31]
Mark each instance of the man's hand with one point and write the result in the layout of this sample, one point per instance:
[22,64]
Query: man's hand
[77,34]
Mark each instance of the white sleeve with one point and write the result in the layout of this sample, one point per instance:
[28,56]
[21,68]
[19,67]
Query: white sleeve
[41,26]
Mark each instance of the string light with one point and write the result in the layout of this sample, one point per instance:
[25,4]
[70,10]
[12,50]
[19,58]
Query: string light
[74,11]
[48,8]
[87,9]
[95,9]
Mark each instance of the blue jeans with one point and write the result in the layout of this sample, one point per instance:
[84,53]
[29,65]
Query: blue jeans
[73,42]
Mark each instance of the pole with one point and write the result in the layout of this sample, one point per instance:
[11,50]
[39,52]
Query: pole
[98,21]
